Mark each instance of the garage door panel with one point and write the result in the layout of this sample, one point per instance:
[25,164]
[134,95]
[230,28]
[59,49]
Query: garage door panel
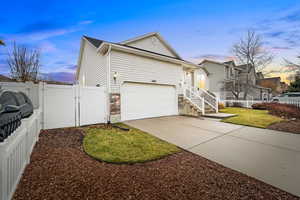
[146,100]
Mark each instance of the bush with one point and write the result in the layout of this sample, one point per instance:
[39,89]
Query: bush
[259,106]
[284,110]
[221,106]
[237,104]
[279,109]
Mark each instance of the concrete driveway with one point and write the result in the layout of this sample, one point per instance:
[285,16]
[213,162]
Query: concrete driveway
[270,156]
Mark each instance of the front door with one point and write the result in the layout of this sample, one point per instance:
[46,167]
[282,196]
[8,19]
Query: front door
[189,79]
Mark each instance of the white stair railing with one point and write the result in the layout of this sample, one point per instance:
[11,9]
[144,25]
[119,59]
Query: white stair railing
[209,99]
[193,97]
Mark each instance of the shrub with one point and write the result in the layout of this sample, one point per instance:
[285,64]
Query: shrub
[237,104]
[259,106]
[284,110]
[279,109]
[221,106]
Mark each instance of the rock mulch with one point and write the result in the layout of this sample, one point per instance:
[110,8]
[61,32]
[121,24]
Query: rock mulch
[59,169]
[292,126]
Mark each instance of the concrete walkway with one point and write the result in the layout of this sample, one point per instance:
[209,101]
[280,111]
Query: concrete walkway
[270,156]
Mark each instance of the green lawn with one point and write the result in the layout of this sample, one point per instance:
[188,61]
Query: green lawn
[117,146]
[250,117]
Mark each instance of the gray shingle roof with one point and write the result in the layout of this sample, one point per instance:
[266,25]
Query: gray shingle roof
[94,41]
[5,79]
[97,43]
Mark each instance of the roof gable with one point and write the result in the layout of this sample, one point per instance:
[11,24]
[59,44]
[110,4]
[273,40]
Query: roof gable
[152,42]
[94,41]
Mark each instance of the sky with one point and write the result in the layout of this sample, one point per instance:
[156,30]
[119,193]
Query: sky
[196,29]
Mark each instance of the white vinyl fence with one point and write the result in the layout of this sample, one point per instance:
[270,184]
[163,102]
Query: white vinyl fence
[68,106]
[15,154]
[56,106]
[29,88]
[249,103]
[65,105]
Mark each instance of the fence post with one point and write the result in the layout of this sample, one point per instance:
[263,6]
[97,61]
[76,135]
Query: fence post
[3,174]
[203,107]
[42,87]
[77,94]
[217,104]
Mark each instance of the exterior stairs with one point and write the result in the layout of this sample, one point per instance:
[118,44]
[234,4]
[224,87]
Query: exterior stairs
[199,101]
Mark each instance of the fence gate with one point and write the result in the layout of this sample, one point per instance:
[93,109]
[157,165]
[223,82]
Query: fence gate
[92,105]
[69,106]
[59,106]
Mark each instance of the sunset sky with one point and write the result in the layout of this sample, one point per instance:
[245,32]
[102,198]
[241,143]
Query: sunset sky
[196,29]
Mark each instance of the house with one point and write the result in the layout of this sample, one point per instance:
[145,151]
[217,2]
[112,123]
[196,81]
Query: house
[284,87]
[5,79]
[274,83]
[223,76]
[144,77]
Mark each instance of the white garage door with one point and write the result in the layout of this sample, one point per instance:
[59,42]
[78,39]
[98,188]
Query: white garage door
[147,100]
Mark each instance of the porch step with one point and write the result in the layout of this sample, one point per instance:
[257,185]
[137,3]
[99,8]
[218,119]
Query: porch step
[218,115]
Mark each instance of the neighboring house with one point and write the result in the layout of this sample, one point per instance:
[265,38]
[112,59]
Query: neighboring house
[260,75]
[144,76]
[284,87]
[5,79]
[221,74]
[274,83]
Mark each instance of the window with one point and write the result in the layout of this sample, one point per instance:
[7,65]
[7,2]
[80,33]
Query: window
[231,72]
[227,72]
[200,81]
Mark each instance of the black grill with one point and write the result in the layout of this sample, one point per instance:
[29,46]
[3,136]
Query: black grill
[13,107]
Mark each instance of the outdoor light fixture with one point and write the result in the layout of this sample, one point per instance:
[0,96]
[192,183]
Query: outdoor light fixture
[115,76]
[181,83]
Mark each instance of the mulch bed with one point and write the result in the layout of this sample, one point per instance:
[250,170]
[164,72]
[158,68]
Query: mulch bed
[59,169]
[292,126]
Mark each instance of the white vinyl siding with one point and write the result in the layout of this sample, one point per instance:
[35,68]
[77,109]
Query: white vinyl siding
[216,76]
[147,100]
[134,68]
[93,66]
[152,44]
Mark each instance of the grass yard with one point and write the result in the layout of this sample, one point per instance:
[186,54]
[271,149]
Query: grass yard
[117,146]
[250,117]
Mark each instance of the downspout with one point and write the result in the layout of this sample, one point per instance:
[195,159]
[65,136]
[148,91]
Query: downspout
[108,88]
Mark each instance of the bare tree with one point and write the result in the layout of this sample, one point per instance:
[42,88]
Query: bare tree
[292,67]
[235,87]
[24,63]
[250,51]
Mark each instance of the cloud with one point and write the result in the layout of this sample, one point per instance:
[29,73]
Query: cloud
[216,57]
[3,61]
[292,17]
[86,22]
[4,68]
[41,26]
[42,30]
[213,57]
[60,76]
[60,63]
[47,47]
[65,66]
[274,34]
[72,67]
[279,48]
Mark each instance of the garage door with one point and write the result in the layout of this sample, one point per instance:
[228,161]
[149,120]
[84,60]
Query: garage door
[147,100]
